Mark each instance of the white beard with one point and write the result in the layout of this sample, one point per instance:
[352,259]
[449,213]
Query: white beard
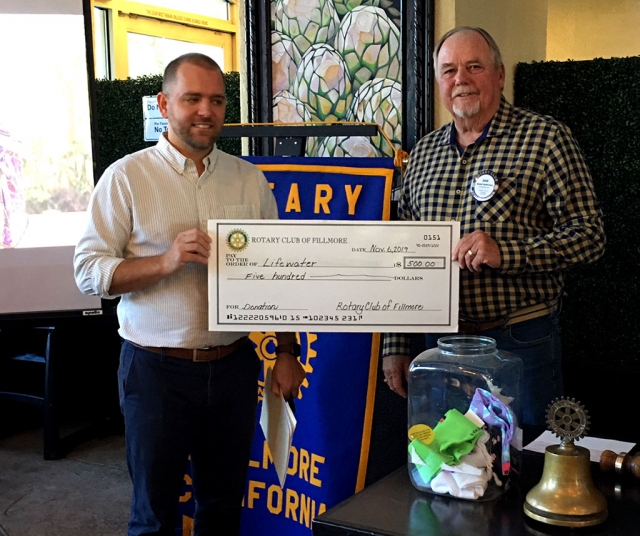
[467,112]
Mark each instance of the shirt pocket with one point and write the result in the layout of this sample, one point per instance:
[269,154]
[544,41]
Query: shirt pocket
[501,205]
[240,212]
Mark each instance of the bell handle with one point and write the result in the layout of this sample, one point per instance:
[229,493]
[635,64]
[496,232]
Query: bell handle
[622,463]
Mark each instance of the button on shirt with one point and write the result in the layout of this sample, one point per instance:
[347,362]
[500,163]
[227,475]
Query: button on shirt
[139,206]
[544,215]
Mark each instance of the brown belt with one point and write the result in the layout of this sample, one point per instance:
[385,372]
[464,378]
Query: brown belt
[528,313]
[197,354]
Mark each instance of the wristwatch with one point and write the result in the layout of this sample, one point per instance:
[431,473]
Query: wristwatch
[292,348]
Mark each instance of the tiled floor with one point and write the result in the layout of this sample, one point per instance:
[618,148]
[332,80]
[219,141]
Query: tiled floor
[87,493]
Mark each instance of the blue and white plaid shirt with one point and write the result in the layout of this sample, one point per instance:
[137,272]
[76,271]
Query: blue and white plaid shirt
[544,215]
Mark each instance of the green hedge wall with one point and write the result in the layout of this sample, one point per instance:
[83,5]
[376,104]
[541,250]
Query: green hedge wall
[600,101]
[119,116]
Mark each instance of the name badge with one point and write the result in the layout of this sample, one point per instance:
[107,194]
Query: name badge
[484,185]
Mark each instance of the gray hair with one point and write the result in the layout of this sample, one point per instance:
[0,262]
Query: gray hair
[493,46]
[193,58]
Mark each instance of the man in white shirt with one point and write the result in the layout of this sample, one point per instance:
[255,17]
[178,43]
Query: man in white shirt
[184,390]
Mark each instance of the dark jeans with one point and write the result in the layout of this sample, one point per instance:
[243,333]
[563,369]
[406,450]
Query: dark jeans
[537,343]
[174,407]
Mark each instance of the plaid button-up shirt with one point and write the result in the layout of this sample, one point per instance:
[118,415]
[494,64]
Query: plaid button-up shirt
[544,215]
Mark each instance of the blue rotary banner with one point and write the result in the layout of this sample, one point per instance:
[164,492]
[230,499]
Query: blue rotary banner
[328,458]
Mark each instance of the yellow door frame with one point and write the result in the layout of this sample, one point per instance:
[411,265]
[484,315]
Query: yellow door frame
[132,17]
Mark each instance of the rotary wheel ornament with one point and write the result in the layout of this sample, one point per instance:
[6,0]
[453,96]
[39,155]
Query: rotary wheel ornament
[568,419]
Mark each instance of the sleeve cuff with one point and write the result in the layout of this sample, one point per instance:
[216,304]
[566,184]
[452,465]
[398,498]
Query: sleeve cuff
[396,344]
[513,256]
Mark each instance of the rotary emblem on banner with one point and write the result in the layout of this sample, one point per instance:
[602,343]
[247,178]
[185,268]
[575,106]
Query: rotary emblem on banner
[266,348]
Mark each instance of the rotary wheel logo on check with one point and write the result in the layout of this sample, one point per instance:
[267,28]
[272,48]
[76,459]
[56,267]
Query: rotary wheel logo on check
[237,240]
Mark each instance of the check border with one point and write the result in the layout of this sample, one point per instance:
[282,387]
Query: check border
[451,314]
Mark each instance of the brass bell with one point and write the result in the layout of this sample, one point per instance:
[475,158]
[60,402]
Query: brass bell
[566,494]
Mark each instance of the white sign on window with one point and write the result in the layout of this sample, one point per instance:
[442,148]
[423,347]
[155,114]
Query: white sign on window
[154,123]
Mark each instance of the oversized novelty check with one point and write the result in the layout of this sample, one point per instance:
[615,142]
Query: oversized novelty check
[309,275]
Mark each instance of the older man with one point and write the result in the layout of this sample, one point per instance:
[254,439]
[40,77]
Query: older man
[523,195]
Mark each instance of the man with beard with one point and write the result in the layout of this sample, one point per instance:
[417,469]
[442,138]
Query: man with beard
[518,184]
[183,389]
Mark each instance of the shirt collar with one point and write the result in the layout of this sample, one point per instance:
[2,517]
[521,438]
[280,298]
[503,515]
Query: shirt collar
[501,122]
[497,126]
[177,160]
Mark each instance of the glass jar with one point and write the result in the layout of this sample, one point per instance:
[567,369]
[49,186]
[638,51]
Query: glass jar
[464,409]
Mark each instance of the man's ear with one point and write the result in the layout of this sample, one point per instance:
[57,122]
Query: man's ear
[162,104]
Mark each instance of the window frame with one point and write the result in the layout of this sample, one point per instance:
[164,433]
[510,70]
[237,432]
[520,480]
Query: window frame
[131,17]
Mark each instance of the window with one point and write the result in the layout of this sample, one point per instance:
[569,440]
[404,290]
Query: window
[102,53]
[138,38]
[150,55]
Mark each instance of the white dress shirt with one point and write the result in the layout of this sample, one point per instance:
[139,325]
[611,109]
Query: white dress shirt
[139,206]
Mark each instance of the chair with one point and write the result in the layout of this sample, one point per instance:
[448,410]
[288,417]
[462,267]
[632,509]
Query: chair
[22,352]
